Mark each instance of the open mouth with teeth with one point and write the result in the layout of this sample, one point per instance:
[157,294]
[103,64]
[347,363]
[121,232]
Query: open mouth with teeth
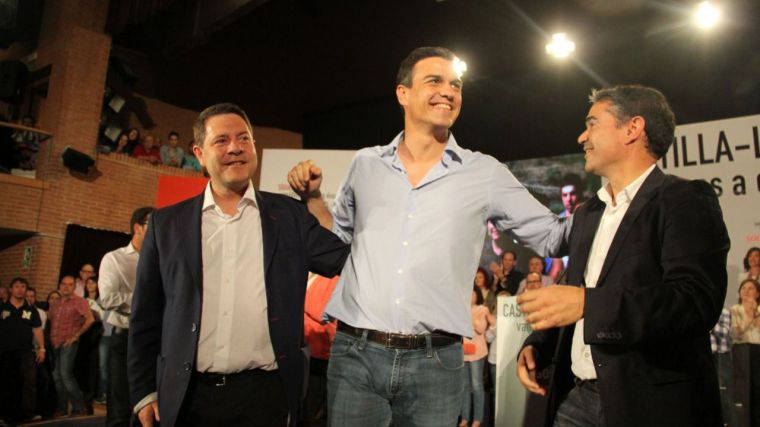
[443,107]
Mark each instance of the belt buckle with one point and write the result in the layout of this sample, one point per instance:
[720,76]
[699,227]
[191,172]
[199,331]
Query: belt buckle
[221,381]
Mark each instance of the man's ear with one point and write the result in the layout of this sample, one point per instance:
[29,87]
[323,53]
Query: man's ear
[198,154]
[402,95]
[635,129]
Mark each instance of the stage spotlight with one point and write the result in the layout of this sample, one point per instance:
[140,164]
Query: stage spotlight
[706,16]
[459,67]
[560,47]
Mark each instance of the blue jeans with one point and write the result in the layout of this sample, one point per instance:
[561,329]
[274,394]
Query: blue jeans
[105,341]
[371,385]
[581,408]
[473,377]
[66,385]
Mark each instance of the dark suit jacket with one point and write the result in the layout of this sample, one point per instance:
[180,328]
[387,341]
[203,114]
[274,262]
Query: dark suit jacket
[660,292]
[166,305]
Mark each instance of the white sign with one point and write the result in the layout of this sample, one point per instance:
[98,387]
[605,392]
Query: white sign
[276,163]
[726,154]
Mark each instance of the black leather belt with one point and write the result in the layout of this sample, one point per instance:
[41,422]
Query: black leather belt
[402,341]
[221,380]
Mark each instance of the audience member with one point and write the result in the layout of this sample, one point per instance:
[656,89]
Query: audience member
[133,141]
[720,343]
[319,335]
[745,333]
[20,332]
[31,298]
[27,144]
[3,294]
[191,162]
[751,264]
[171,153]
[87,363]
[507,277]
[148,150]
[85,273]
[117,283]
[535,265]
[475,352]
[70,317]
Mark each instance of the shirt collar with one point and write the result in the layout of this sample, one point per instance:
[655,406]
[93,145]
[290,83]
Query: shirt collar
[130,249]
[452,151]
[249,197]
[628,193]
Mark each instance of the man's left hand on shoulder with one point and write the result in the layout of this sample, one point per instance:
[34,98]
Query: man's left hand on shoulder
[552,306]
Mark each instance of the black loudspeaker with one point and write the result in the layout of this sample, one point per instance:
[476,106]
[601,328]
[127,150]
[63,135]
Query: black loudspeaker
[77,160]
[12,76]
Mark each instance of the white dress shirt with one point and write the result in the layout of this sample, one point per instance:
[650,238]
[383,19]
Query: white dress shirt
[117,283]
[582,361]
[234,333]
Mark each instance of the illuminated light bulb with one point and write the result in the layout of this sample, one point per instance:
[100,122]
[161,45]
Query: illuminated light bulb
[459,67]
[560,46]
[706,16]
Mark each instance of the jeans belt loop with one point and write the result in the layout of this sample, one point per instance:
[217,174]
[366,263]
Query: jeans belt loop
[363,339]
[222,381]
[429,345]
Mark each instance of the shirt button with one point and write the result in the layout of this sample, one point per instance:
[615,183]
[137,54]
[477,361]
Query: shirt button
[193,327]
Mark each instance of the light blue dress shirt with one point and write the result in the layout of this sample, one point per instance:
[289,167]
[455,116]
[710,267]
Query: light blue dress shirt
[415,250]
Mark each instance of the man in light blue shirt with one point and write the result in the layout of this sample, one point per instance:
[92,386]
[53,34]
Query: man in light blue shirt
[415,213]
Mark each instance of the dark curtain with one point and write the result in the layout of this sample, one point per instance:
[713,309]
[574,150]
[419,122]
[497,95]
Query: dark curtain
[84,245]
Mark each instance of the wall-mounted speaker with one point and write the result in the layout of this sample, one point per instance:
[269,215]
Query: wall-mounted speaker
[77,160]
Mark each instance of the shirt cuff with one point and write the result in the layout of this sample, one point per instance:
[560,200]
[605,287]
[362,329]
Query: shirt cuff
[145,401]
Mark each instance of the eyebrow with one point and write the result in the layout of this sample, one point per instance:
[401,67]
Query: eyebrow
[590,119]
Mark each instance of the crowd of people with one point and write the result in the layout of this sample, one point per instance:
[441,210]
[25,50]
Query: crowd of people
[152,149]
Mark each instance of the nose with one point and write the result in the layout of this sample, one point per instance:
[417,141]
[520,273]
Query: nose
[234,147]
[583,137]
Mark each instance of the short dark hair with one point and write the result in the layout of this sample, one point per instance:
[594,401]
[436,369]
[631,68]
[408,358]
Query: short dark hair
[543,262]
[404,75]
[572,179]
[199,127]
[29,288]
[746,257]
[19,279]
[514,254]
[629,101]
[140,216]
[173,133]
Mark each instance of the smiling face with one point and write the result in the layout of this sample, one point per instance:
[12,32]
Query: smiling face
[603,140]
[228,152]
[749,292]
[434,98]
[753,258]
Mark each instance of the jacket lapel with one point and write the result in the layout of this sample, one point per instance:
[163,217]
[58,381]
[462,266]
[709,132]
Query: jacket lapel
[643,196]
[588,224]
[194,243]
[269,230]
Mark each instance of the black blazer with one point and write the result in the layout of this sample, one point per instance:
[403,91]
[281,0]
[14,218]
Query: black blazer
[660,292]
[166,305]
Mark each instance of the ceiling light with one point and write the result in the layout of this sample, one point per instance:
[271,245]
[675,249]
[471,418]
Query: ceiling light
[560,46]
[459,67]
[706,16]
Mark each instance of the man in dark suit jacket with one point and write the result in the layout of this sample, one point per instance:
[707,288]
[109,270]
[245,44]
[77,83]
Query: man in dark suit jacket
[631,346]
[216,334]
